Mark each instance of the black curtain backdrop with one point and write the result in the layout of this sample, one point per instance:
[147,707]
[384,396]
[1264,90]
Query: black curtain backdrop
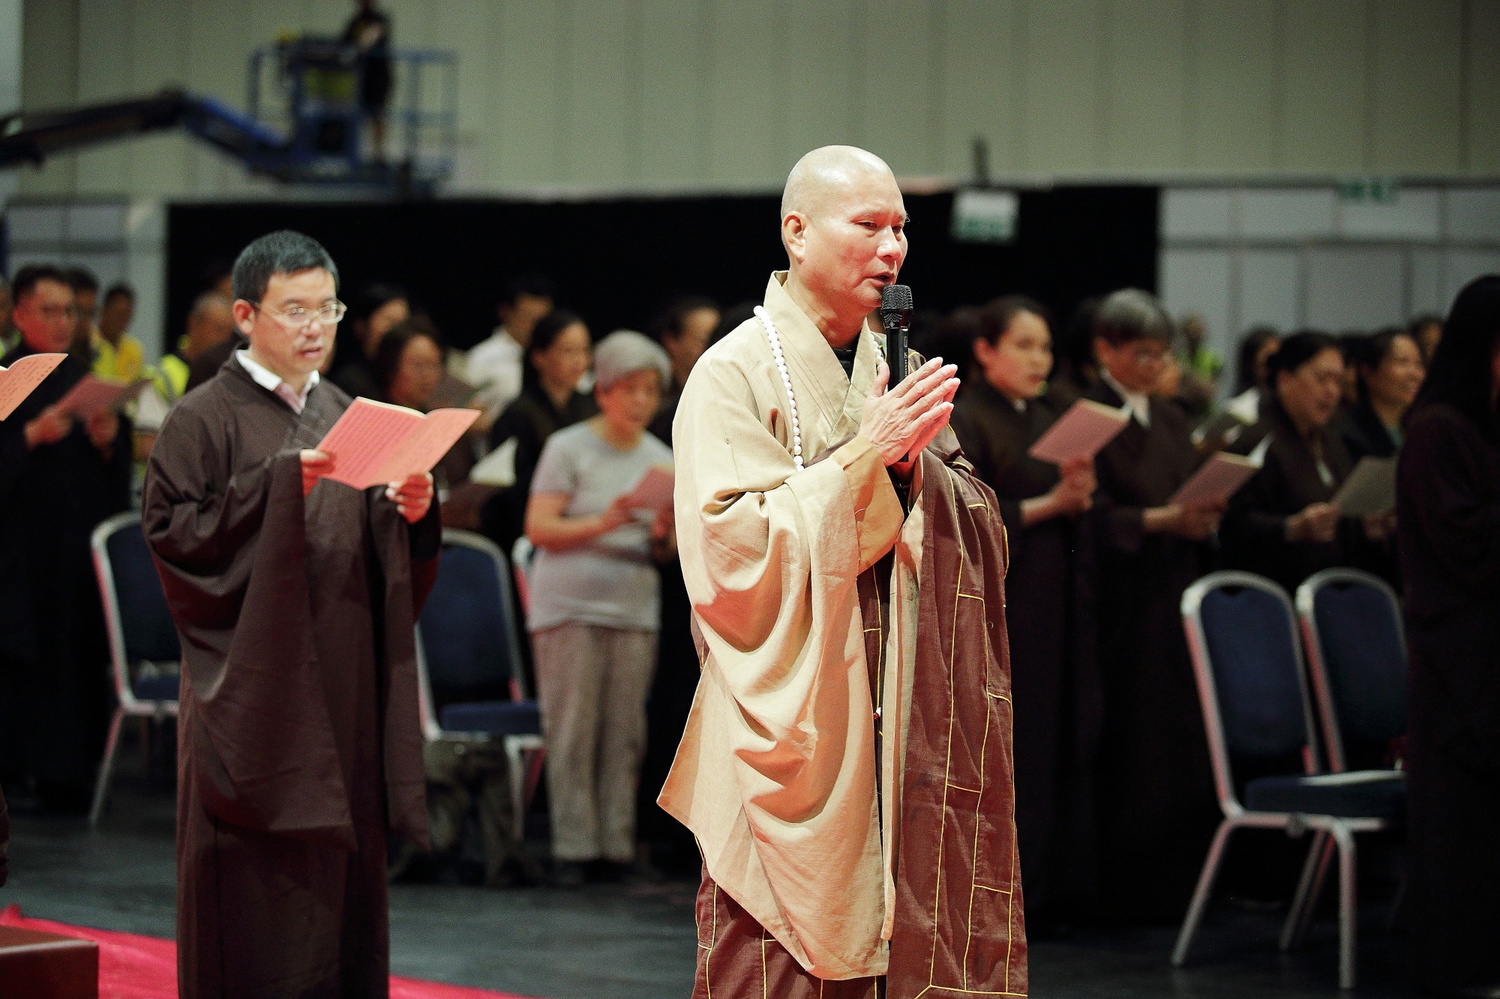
[617,262]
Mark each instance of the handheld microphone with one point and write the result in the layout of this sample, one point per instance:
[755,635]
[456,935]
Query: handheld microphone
[895,316]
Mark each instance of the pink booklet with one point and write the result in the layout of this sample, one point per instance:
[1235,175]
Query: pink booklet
[1221,476]
[1081,432]
[375,443]
[21,379]
[94,395]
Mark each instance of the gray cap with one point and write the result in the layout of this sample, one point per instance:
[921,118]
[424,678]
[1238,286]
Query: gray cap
[624,352]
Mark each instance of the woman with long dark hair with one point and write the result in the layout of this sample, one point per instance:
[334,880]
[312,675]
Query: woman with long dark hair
[556,361]
[1049,597]
[1448,524]
[1389,369]
[1284,524]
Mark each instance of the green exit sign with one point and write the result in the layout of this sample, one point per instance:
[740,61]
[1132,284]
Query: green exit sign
[1380,190]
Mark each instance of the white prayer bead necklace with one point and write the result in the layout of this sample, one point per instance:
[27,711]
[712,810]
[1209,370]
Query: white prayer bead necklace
[786,379]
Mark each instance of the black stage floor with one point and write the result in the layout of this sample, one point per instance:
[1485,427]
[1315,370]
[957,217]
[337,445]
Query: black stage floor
[614,942]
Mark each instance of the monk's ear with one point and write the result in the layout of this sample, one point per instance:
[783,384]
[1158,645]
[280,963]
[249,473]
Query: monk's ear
[244,315]
[794,235]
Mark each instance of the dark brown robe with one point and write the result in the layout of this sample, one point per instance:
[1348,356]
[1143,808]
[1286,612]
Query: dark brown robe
[1157,808]
[54,652]
[1049,606]
[959,921]
[299,740]
[1448,516]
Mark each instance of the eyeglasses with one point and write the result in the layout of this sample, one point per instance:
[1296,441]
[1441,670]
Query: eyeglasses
[58,311]
[298,318]
[1146,356]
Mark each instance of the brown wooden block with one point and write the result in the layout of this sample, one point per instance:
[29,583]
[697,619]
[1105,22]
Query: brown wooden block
[36,965]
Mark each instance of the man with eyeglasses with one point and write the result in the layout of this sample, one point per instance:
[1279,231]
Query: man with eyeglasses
[299,742]
[59,476]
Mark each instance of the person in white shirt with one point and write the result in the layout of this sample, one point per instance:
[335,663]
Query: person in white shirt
[494,366]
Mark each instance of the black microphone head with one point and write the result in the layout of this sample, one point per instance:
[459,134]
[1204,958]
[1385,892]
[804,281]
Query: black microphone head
[895,298]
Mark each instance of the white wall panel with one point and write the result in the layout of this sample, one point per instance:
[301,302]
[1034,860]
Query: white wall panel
[1474,214]
[1200,281]
[1416,213]
[1288,214]
[1194,213]
[1461,266]
[1427,292]
[1270,290]
[1354,288]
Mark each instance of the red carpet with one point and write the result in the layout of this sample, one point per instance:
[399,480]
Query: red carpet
[137,967]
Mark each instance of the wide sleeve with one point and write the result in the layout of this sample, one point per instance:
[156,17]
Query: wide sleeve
[231,551]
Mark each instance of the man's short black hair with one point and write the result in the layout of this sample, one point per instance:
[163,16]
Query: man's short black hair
[82,279]
[280,252]
[119,290]
[535,285]
[27,277]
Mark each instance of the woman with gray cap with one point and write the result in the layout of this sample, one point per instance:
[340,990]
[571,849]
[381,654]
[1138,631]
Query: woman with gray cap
[594,616]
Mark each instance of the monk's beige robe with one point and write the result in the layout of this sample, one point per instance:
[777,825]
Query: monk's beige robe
[775,774]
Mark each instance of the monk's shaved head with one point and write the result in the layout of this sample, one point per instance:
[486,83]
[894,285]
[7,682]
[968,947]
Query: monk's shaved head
[825,172]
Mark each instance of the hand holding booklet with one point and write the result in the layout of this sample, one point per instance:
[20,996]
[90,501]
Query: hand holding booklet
[652,491]
[1081,432]
[21,379]
[375,443]
[1220,477]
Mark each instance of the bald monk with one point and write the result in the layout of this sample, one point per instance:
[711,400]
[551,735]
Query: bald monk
[846,766]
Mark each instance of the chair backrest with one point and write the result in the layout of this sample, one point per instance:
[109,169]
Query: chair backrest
[468,633]
[1356,656]
[135,608]
[1242,635]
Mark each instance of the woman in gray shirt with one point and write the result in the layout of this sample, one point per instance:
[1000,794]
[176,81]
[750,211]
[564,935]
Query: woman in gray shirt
[594,606]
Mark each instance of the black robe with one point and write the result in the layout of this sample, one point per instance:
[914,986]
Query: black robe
[1157,805]
[530,419]
[1448,515]
[1254,529]
[299,740]
[54,653]
[1049,604]
[1363,434]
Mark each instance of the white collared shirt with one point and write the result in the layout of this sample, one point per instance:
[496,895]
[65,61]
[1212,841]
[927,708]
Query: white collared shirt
[1137,402]
[272,382]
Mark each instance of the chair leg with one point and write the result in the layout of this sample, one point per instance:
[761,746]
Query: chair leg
[1304,908]
[1310,868]
[1348,912]
[106,768]
[1201,893]
[517,790]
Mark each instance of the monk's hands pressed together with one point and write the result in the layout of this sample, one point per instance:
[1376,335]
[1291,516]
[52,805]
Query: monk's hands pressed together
[903,421]
[315,465]
[413,498]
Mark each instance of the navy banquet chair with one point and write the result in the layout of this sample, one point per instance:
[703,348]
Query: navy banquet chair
[1247,661]
[145,658]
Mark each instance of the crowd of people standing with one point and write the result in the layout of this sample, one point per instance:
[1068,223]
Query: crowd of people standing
[1111,761]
